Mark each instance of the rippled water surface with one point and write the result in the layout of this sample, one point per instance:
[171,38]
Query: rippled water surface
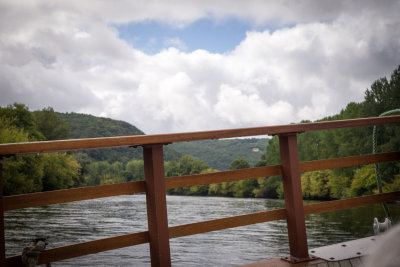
[82,221]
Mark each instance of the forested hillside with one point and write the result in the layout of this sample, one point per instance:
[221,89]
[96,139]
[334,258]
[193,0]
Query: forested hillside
[220,153]
[384,95]
[41,172]
[32,173]
[89,126]
[25,174]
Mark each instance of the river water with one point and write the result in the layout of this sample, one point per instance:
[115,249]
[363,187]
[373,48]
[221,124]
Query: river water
[82,221]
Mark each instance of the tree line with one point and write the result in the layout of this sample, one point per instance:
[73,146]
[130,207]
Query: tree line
[34,173]
[52,171]
[220,153]
[384,95]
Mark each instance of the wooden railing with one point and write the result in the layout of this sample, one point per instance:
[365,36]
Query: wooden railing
[155,186]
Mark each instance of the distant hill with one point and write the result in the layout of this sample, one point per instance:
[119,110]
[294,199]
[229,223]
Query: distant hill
[220,153]
[89,126]
[217,153]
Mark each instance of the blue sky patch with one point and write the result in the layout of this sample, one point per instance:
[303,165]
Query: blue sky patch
[216,37]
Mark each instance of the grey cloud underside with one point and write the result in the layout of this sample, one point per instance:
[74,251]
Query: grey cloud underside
[68,56]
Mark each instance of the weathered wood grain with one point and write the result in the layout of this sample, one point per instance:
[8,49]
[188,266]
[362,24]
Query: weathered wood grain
[81,249]
[225,223]
[74,194]
[348,161]
[296,226]
[351,202]
[225,176]
[156,203]
[139,140]
[2,234]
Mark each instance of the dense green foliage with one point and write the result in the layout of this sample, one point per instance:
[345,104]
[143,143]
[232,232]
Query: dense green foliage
[189,165]
[25,174]
[51,125]
[220,153]
[88,126]
[32,173]
[383,95]
[17,116]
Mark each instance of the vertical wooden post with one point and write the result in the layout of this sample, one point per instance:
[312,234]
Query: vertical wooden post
[2,239]
[156,205]
[293,198]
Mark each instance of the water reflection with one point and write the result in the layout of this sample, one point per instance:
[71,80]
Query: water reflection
[82,221]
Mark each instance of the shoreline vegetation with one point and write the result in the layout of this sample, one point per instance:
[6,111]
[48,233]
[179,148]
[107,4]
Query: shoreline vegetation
[45,172]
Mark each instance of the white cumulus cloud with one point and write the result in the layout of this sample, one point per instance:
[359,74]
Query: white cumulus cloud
[321,56]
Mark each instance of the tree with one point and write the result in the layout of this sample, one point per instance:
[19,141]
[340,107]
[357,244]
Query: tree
[135,170]
[339,185]
[60,170]
[242,188]
[201,190]
[190,165]
[315,185]
[34,173]
[238,164]
[21,174]
[187,165]
[382,96]
[394,185]
[9,133]
[19,116]
[267,187]
[97,172]
[364,182]
[84,161]
[171,168]
[51,125]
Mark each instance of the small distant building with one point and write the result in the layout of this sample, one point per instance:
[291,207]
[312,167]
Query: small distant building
[256,149]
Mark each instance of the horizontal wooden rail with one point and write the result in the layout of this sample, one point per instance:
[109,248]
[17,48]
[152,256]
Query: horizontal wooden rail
[139,140]
[84,193]
[351,202]
[251,173]
[92,192]
[219,177]
[81,249]
[86,248]
[74,194]
[325,164]
[225,223]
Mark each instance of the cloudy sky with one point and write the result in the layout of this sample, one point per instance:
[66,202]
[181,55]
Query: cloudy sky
[175,66]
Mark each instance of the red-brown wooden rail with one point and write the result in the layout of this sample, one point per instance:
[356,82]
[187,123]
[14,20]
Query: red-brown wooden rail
[2,239]
[140,140]
[293,197]
[155,186]
[156,205]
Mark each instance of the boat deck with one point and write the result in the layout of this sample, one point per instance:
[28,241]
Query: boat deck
[354,262]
